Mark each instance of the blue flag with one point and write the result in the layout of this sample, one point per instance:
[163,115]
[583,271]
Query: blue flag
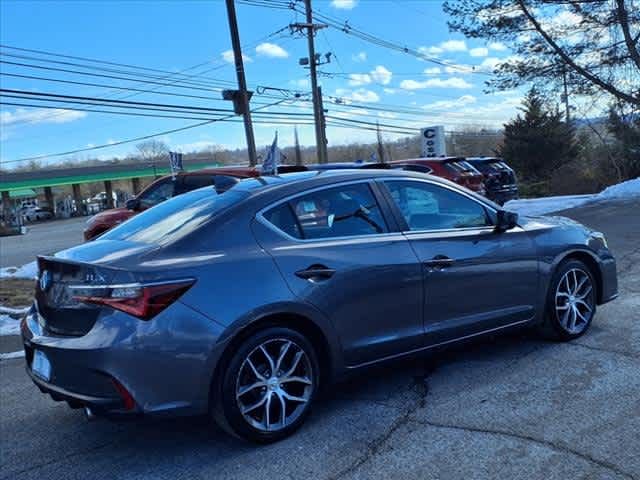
[175,160]
[272,160]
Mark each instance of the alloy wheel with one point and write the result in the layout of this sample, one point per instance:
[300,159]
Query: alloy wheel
[274,385]
[575,301]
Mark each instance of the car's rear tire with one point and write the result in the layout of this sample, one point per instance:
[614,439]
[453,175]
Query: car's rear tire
[267,386]
[571,301]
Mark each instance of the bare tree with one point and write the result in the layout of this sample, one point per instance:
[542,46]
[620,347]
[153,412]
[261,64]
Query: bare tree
[596,42]
[151,149]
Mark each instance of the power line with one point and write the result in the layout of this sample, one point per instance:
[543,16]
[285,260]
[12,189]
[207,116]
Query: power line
[130,140]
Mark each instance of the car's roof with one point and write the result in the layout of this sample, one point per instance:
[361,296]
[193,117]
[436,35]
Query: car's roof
[320,177]
[429,159]
[484,159]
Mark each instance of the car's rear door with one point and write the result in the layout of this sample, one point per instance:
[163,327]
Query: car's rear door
[476,279]
[336,250]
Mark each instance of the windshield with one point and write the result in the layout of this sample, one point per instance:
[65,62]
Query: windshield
[176,218]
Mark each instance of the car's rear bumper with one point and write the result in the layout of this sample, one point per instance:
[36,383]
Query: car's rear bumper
[126,366]
[502,195]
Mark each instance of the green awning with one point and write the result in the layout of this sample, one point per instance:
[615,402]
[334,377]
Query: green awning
[22,193]
[54,181]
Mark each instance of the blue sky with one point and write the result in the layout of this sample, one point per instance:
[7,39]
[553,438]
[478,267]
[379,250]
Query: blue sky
[174,36]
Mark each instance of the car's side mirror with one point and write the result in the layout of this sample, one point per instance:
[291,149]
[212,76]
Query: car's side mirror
[506,220]
[132,204]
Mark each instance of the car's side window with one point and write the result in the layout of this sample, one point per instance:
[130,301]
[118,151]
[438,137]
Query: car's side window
[343,211]
[430,207]
[158,194]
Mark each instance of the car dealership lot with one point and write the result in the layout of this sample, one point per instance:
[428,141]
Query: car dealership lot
[502,407]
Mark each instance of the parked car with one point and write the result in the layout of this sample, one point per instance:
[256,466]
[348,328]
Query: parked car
[168,187]
[499,179]
[455,169]
[34,214]
[242,304]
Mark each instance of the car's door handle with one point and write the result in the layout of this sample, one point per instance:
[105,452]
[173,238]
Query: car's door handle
[316,273]
[439,262]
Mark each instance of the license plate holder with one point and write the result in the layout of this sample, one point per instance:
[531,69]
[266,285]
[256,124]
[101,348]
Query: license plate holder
[41,365]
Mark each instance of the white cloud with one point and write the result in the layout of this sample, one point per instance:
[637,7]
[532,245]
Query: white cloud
[381,75]
[453,82]
[479,52]
[357,79]
[454,46]
[432,71]
[344,4]
[490,63]
[390,91]
[387,115]
[227,56]
[447,46]
[39,116]
[360,95]
[301,83]
[449,104]
[271,50]
[497,46]
[359,57]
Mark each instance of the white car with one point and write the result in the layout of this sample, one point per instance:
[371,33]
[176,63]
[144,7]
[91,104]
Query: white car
[35,214]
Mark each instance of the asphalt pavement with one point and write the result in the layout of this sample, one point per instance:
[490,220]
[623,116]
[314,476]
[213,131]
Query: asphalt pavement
[508,407]
[41,238]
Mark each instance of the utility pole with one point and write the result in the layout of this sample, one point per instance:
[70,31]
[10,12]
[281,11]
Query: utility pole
[297,147]
[241,96]
[323,128]
[312,61]
[565,96]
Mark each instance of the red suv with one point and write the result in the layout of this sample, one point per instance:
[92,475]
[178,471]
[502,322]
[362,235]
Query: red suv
[167,187]
[456,169]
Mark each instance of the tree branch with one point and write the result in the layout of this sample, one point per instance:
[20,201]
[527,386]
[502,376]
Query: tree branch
[623,16]
[577,68]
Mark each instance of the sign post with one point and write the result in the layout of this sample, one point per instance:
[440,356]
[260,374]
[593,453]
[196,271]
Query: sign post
[433,144]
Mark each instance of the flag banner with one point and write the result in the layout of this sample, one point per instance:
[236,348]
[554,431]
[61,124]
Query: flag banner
[175,160]
[273,159]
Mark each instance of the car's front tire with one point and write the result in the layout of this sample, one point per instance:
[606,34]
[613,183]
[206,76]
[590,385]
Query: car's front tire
[571,301]
[268,386]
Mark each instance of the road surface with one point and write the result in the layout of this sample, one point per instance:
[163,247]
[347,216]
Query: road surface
[506,407]
[41,238]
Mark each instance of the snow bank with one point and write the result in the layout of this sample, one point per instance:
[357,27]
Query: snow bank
[30,270]
[9,325]
[541,206]
[7,356]
[630,188]
[13,311]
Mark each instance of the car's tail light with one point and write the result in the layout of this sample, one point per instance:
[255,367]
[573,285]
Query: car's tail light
[140,300]
[128,401]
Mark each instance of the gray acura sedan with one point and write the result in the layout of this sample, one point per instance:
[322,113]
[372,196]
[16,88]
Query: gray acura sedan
[243,304]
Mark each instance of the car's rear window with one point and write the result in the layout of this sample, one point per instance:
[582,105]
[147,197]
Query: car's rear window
[174,219]
[459,166]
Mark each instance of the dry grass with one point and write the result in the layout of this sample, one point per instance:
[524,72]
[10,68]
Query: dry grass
[16,292]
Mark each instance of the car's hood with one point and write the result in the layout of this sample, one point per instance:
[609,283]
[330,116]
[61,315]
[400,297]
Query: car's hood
[544,222]
[114,215]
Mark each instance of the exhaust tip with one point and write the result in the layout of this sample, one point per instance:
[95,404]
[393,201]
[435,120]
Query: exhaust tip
[88,413]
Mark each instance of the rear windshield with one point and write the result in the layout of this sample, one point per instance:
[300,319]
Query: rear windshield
[460,166]
[174,219]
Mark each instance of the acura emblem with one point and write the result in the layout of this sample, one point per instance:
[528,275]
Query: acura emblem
[45,280]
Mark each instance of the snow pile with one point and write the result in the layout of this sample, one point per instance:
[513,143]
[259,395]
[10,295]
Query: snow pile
[630,188]
[30,270]
[7,356]
[9,325]
[541,206]
[13,311]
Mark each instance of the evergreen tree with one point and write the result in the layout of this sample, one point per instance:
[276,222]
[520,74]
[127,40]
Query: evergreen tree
[539,141]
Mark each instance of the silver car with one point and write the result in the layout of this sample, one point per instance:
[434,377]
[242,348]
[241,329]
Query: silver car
[243,304]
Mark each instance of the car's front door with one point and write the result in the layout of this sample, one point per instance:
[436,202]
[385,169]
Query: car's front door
[476,279]
[336,251]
